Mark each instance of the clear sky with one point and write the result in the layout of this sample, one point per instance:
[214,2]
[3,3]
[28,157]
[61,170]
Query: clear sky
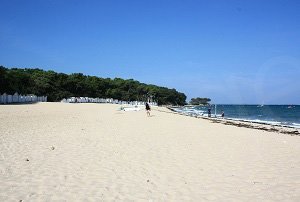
[241,52]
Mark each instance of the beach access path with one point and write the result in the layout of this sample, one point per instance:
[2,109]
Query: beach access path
[93,152]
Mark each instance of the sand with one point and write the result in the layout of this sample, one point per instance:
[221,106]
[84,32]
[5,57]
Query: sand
[93,152]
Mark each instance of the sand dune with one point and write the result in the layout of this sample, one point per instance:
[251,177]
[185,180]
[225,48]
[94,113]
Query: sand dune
[93,152]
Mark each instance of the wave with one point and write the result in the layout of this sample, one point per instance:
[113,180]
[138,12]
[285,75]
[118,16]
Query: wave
[296,125]
[258,121]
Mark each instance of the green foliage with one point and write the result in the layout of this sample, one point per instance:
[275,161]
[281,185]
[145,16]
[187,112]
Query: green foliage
[198,101]
[58,86]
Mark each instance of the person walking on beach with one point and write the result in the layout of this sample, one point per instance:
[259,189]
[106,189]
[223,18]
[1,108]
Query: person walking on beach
[209,112]
[148,109]
[223,114]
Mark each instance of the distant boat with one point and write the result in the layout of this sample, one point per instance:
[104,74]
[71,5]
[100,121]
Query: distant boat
[290,107]
[260,105]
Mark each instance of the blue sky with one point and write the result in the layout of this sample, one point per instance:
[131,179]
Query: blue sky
[230,51]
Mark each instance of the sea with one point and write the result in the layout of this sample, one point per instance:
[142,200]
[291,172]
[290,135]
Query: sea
[282,115]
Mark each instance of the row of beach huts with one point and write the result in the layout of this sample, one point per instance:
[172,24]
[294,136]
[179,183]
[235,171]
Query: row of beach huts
[104,100]
[16,98]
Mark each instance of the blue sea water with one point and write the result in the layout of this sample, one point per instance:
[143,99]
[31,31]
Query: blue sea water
[286,115]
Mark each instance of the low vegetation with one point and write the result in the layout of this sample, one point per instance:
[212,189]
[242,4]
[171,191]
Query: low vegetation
[200,101]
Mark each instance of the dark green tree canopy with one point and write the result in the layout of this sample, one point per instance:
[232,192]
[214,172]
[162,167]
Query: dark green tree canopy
[59,85]
[200,101]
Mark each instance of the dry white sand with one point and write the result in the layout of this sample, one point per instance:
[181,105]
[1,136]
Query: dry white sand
[92,152]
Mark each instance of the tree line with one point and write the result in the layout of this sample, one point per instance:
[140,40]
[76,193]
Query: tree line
[59,85]
[200,101]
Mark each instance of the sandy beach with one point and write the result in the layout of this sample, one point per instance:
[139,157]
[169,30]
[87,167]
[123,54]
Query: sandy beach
[93,152]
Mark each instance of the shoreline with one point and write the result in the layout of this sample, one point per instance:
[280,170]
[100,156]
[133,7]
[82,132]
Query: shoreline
[284,129]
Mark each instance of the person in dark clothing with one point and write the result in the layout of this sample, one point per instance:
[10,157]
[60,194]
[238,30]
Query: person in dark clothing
[209,112]
[148,109]
[223,114]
